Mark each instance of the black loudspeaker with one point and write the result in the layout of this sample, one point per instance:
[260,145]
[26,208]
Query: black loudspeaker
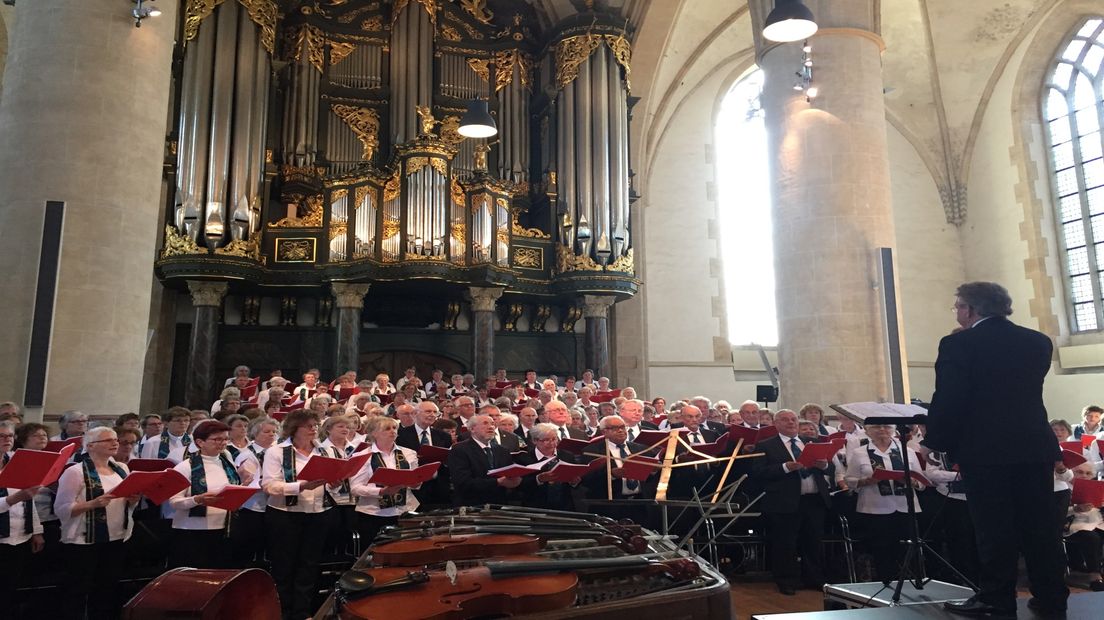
[766,393]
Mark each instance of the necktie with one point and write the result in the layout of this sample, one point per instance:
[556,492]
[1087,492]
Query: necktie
[632,435]
[797,454]
[563,432]
[631,485]
[425,438]
[495,441]
[490,456]
[695,438]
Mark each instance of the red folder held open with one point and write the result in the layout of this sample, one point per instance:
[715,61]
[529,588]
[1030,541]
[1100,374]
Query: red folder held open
[566,472]
[34,468]
[1072,459]
[576,446]
[1087,440]
[605,397]
[639,468]
[332,470]
[57,445]
[899,476]
[432,454]
[514,471]
[651,438]
[157,486]
[750,435]
[1088,492]
[231,497]
[388,477]
[819,452]
[1072,446]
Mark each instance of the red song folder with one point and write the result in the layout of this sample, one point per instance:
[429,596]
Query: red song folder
[1088,492]
[899,476]
[232,496]
[330,469]
[651,438]
[388,477]
[639,468]
[1072,459]
[566,472]
[157,486]
[34,468]
[1072,446]
[432,454]
[57,445]
[1087,440]
[710,449]
[819,452]
[750,435]
[149,464]
[576,446]
[514,471]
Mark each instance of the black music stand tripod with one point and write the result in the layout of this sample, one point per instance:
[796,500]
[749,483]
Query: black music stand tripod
[915,542]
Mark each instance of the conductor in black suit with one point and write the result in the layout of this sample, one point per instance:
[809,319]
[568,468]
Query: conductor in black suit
[433,493]
[987,414]
[793,507]
[471,459]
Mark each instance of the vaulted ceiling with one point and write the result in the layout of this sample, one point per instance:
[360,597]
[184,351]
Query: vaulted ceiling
[941,63]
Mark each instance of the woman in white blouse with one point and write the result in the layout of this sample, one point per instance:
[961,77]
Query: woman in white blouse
[338,431]
[20,529]
[380,506]
[296,520]
[200,531]
[247,533]
[881,503]
[95,526]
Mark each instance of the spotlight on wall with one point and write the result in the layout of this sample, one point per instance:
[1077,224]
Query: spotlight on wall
[789,21]
[477,121]
[142,10]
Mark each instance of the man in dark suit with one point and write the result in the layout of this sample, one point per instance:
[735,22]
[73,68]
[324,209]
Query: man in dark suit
[433,493]
[471,459]
[527,417]
[706,407]
[510,441]
[793,507]
[703,478]
[617,445]
[987,414]
[558,416]
[536,491]
[632,412]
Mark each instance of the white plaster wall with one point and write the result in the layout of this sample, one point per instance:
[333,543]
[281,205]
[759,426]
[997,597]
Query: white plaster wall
[929,261]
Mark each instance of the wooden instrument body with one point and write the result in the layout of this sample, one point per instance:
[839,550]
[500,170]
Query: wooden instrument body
[475,593]
[442,548]
[206,594]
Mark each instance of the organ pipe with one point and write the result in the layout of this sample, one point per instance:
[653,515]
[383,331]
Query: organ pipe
[600,148]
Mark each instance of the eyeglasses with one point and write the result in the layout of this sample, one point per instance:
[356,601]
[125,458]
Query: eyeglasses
[7,436]
[614,428]
[112,440]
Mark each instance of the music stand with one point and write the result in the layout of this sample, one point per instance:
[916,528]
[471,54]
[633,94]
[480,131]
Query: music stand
[916,545]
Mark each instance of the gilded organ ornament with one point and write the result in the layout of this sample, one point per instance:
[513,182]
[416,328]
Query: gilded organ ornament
[478,10]
[572,51]
[177,244]
[364,123]
[532,233]
[242,248]
[261,12]
[528,258]
[313,218]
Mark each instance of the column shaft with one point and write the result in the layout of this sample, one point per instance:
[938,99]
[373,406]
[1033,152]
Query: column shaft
[83,121]
[483,315]
[832,209]
[201,388]
[350,304]
[596,311]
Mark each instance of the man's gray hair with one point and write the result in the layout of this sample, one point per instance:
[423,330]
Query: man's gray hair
[470,424]
[542,431]
[986,298]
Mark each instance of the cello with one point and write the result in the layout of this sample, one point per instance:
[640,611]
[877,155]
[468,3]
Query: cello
[206,594]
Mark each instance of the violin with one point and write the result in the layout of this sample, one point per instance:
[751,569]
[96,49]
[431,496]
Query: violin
[506,587]
[634,544]
[444,547]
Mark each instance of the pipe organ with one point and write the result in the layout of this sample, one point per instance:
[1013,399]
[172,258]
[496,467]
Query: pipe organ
[317,141]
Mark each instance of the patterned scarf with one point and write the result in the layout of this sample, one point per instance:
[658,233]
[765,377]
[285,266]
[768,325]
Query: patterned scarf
[397,499]
[199,480]
[888,487]
[5,517]
[165,447]
[95,521]
[289,476]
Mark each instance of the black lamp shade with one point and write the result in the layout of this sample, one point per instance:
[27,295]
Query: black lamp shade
[790,21]
[477,121]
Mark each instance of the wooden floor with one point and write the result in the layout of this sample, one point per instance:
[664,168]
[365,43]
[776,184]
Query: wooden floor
[763,597]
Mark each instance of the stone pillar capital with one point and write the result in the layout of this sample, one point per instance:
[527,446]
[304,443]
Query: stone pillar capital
[597,306]
[207,293]
[349,295]
[483,298]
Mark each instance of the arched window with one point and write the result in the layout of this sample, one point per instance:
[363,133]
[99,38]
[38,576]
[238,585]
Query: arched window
[1074,109]
[743,194]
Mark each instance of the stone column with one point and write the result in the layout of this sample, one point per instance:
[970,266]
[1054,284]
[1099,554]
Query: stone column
[483,315]
[349,300]
[832,208]
[201,388]
[596,312]
[83,121]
